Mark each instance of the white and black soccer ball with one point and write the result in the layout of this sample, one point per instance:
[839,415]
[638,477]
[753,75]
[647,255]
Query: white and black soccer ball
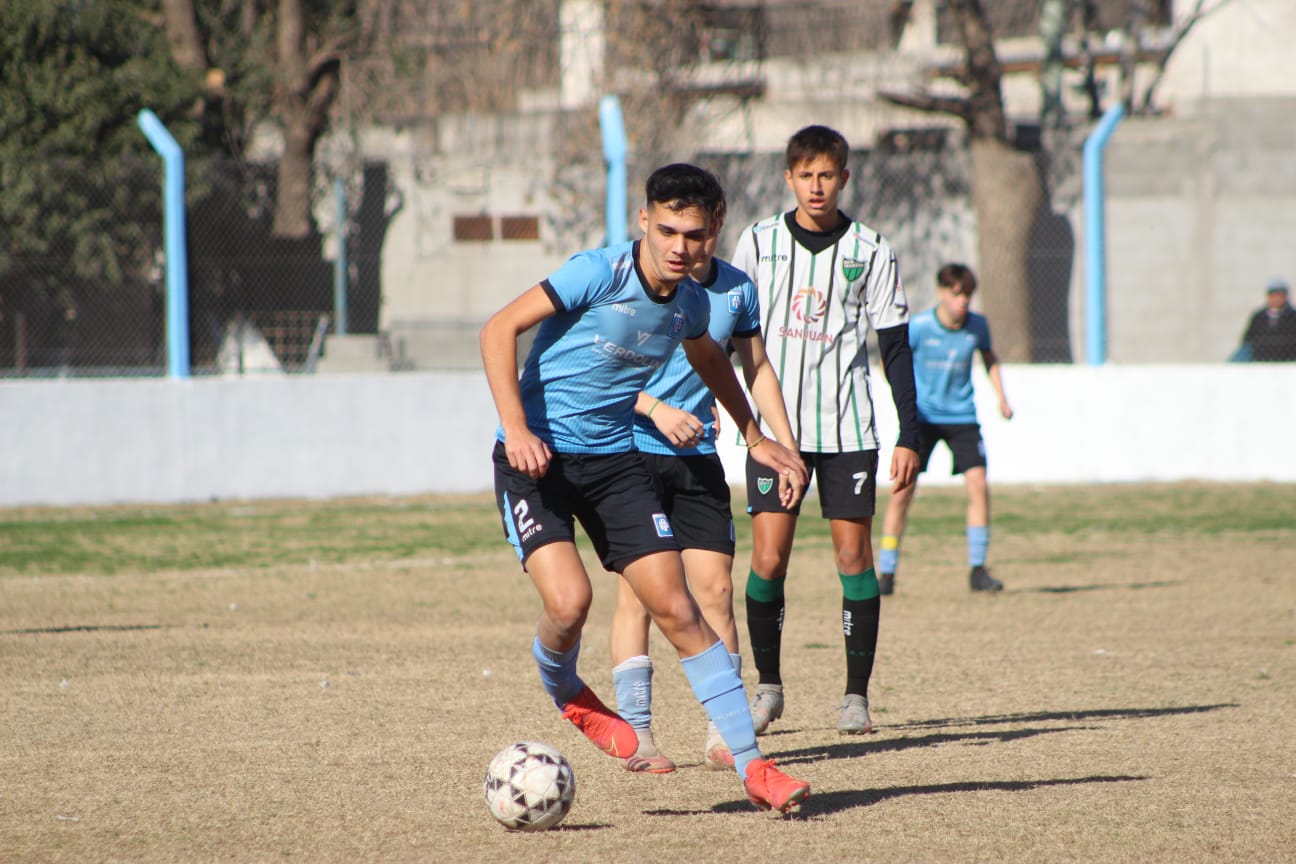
[529,786]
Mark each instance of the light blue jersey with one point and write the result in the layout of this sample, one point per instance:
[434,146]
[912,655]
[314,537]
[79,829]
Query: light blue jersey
[943,366]
[592,358]
[735,311]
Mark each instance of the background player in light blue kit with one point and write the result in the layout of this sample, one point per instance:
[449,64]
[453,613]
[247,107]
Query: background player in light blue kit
[944,340]
[676,429]
[565,453]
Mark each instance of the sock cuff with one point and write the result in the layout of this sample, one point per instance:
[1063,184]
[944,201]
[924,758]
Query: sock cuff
[545,653]
[859,586]
[711,673]
[978,532]
[765,590]
[641,661]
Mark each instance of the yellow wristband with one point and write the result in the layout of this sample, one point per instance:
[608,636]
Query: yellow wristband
[654,407]
[757,441]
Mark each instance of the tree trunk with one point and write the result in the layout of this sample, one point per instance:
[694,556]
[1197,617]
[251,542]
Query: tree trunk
[1006,195]
[292,214]
[183,36]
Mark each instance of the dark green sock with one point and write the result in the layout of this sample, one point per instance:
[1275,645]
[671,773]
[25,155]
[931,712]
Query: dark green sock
[765,625]
[860,608]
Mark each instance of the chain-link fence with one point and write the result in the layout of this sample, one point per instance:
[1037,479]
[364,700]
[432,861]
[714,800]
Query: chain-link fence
[254,299]
[259,303]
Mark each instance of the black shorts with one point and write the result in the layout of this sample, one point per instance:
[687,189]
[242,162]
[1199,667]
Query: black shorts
[696,496]
[964,440]
[847,485]
[611,495]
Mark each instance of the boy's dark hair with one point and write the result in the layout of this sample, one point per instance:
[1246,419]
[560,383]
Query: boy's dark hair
[814,141]
[680,186]
[957,274]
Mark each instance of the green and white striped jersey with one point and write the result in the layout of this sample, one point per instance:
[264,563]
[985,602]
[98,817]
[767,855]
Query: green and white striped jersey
[819,296]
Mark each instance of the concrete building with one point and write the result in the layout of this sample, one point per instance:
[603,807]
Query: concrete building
[1201,196]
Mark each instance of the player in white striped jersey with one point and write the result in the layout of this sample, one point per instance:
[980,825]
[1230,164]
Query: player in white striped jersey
[824,280]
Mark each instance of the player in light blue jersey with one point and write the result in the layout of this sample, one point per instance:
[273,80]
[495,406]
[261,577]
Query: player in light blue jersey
[565,453]
[675,428]
[944,340]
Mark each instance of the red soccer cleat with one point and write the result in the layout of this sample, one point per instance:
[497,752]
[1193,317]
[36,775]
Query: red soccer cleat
[769,788]
[609,732]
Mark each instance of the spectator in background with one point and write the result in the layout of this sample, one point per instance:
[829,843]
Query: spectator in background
[1270,335]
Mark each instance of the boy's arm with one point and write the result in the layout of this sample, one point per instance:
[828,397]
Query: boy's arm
[764,386]
[897,362]
[679,426]
[498,341]
[712,365]
[991,361]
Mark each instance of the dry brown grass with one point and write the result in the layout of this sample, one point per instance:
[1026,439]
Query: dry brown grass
[1128,698]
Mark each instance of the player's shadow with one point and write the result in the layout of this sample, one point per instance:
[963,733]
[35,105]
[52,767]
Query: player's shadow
[827,803]
[1110,586]
[1069,716]
[82,628]
[864,746]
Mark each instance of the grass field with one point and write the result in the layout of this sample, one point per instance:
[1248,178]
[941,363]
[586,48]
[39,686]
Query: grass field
[326,682]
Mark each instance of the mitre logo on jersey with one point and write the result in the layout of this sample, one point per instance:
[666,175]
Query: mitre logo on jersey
[624,309]
[809,305]
[852,268]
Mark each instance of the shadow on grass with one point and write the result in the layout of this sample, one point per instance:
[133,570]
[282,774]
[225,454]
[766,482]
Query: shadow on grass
[82,628]
[860,746]
[836,802]
[826,803]
[1112,586]
[1072,716]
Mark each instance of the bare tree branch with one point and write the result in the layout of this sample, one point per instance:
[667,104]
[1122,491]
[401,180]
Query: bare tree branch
[929,103]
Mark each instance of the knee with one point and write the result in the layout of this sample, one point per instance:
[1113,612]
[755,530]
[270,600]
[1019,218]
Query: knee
[568,611]
[769,563]
[854,559]
[716,595]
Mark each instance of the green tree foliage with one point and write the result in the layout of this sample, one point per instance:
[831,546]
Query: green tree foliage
[75,170]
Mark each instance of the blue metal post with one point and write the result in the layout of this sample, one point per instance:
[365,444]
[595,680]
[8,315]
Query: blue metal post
[174,242]
[340,262]
[614,154]
[1095,203]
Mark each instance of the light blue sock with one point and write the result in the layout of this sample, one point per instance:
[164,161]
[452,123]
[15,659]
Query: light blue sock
[888,554]
[978,542]
[558,671]
[632,681]
[717,686]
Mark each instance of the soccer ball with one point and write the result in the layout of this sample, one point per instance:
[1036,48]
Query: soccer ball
[529,786]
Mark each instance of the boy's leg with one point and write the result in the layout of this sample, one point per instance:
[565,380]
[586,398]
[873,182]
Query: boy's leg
[565,593]
[772,535]
[978,530]
[709,580]
[893,526]
[861,608]
[658,579]
[632,673]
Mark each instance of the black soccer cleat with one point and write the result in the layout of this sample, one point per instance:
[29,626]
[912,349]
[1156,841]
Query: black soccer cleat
[886,583]
[981,580]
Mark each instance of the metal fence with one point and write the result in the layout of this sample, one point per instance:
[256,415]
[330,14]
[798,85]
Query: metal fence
[252,295]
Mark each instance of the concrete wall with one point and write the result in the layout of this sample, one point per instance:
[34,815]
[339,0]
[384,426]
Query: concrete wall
[98,442]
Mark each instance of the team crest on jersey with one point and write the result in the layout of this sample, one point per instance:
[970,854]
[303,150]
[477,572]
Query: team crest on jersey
[735,300]
[677,324]
[764,484]
[663,526]
[809,305]
[852,268]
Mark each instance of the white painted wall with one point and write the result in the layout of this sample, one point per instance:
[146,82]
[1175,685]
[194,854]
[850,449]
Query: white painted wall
[97,442]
